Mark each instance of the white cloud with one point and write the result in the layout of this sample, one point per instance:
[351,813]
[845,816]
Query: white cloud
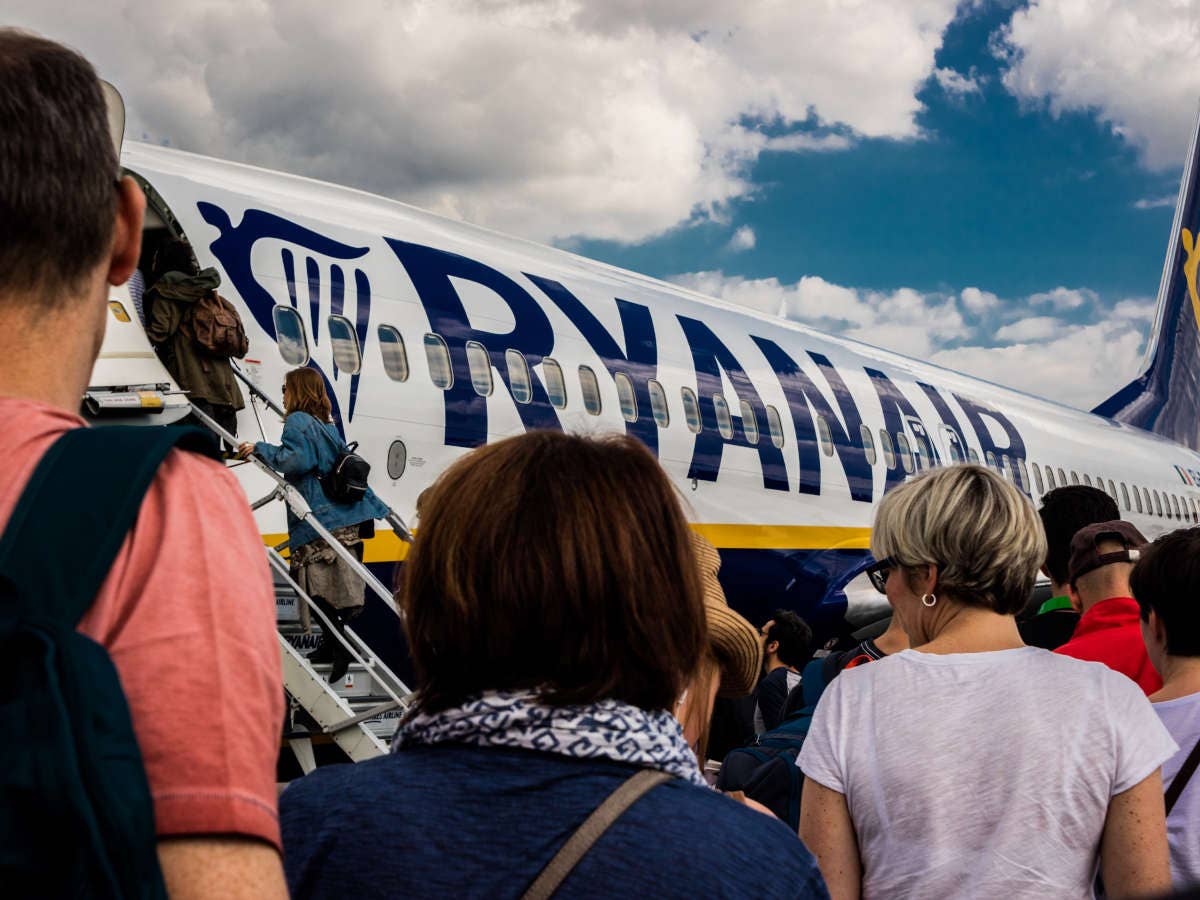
[1083,366]
[1154,202]
[1137,66]
[978,301]
[614,119]
[1072,361]
[904,320]
[955,83]
[1062,298]
[1036,328]
[803,141]
[743,239]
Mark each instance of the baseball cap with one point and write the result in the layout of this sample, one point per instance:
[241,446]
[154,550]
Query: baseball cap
[1085,557]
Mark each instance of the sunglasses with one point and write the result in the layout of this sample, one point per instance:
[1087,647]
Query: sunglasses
[878,573]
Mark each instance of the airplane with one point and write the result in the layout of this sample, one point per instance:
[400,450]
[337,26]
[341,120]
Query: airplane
[435,337]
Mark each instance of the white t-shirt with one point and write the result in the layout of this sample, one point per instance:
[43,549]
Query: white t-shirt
[981,774]
[1182,718]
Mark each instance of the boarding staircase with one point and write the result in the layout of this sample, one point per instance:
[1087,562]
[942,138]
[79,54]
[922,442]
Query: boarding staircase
[361,711]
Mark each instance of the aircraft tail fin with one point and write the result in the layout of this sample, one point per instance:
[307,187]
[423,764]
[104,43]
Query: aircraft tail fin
[1165,397]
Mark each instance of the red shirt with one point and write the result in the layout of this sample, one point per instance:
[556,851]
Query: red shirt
[1110,632]
[187,614]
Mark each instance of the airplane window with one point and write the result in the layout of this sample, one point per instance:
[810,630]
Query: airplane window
[1087,479]
[1175,504]
[1050,485]
[1137,498]
[438,357]
[346,354]
[556,385]
[289,328]
[1037,476]
[905,454]
[922,449]
[1062,478]
[1149,505]
[1157,504]
[749,422]
[972,455]
[480,366]
[1125,497]
[1006,467]
[1074,477]
[1112,489]
[591,390]
[691,410]
[776,426]
[518,376]
[824,436]
[626,397]
[952,442]
[1100,482]
[658,404]
[1024,471]
[391,348]
[991,459]
[724,422]
[868,444]
[1195,511]
[885,444]
[397,459]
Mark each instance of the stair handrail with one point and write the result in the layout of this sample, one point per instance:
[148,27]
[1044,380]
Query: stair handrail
[300,508]
[392,518]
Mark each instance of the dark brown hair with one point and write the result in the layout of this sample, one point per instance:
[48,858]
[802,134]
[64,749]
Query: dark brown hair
[1166,579]
[307,394]
[554,562]
[58,168]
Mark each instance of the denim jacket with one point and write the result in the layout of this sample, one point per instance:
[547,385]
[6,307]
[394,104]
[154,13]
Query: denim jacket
[309,447]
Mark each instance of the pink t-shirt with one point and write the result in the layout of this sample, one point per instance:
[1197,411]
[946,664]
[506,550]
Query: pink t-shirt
[187,614]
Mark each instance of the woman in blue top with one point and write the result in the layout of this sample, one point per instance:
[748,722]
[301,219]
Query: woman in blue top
[555,617]
[307,450]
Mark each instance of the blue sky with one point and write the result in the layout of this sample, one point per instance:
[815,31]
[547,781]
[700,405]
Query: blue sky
[997,193]
[987,184]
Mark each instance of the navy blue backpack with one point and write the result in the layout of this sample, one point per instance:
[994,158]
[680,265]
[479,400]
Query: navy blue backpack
[76,816]
[766,771]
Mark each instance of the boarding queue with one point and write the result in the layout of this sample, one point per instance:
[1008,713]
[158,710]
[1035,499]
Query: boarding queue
[570,643]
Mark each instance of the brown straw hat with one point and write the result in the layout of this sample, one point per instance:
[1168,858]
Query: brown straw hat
[734,640]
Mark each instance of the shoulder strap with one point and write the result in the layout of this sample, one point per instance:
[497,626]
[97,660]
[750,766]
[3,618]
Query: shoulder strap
[81,501]
[1179,782]
[579,843]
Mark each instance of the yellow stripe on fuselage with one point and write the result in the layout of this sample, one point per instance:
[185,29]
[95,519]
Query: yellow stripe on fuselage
[386,547]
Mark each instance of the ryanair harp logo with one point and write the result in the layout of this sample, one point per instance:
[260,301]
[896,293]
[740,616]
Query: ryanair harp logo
[1190,265]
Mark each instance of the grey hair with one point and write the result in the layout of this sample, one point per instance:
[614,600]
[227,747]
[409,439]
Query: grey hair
[980,531]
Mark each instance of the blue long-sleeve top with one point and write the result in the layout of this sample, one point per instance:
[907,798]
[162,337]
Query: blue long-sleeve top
[309,447]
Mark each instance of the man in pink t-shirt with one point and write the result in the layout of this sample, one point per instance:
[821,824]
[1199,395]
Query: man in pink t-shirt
[187,611]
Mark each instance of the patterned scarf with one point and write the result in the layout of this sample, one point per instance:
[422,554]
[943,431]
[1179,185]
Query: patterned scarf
[605,730]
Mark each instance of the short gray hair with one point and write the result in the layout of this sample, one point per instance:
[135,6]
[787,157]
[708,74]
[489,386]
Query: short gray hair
[979,530]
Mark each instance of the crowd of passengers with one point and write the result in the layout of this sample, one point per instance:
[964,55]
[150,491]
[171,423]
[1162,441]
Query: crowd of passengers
[572,647]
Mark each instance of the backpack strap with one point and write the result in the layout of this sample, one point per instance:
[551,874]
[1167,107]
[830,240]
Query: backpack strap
[601,819]
[1179,782]
[77,508]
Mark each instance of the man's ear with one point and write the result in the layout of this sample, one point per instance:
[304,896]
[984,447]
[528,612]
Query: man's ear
[1076,603]
[772,647]
[127,233]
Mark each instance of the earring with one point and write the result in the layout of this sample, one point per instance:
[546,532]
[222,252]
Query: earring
[928,601]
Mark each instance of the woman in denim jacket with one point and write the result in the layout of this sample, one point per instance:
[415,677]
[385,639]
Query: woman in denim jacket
[307,450]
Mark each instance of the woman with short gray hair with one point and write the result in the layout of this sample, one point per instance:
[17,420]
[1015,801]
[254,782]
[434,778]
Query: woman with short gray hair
[972,765]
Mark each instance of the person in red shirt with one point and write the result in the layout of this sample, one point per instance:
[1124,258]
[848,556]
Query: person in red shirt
[187,611]
[1109,630]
